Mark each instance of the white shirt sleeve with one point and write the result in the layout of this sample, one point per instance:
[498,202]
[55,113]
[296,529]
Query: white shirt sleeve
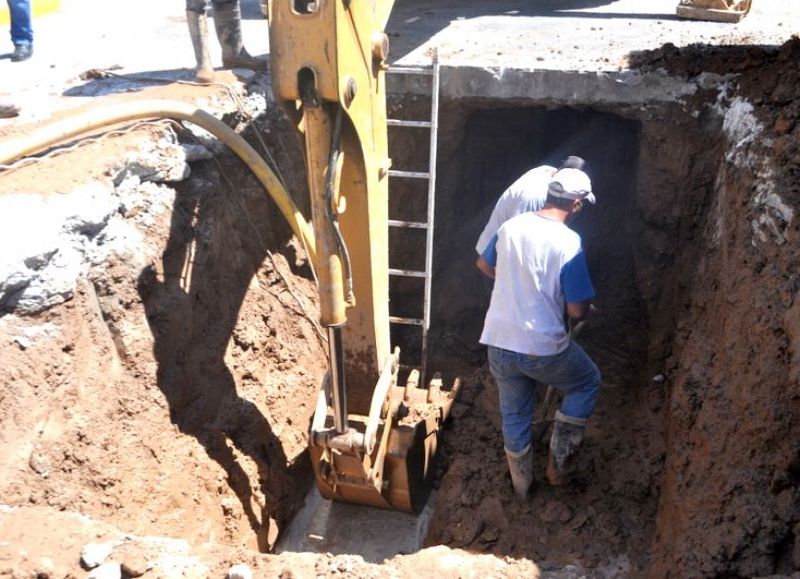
[528,193]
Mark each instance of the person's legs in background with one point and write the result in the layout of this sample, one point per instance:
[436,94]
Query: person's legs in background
[228,23]
[21,29]
[198,31]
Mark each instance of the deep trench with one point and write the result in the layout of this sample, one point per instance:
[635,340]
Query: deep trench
[691,466]
[610,511]
[483,147]
[654,171]
[633,237]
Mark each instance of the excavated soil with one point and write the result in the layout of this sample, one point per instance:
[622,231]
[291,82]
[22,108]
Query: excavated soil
[171,395]
[173,398]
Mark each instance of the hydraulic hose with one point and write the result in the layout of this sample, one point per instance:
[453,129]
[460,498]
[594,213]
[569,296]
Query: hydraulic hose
[68,129]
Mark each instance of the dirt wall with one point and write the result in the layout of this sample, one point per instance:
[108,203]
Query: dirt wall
[172,393]
[729,504]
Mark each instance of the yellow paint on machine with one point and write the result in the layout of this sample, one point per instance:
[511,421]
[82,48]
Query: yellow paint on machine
[38,8]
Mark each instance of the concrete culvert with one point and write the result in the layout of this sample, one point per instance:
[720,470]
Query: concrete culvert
[168,392]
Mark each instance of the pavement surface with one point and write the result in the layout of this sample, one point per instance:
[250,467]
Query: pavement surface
[575,35]
[151,40]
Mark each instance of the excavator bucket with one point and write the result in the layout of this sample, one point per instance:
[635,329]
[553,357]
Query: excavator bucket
[394,471]
[714,10]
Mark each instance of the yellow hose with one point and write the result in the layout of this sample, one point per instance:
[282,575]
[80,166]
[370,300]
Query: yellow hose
[79,124]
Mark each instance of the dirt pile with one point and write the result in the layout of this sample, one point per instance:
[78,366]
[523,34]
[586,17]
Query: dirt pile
[160,556]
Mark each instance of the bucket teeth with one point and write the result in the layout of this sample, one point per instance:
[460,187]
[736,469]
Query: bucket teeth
[398,473]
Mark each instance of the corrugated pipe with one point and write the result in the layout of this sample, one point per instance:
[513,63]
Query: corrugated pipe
[91,121]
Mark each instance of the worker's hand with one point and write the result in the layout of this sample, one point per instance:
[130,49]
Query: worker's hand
[575,326]
[578,311]
[485,268]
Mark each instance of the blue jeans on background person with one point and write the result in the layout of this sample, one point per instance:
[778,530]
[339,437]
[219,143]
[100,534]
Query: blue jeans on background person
[21,27]
[572,371]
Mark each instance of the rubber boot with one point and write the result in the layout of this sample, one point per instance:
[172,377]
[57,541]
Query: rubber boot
[520,465]
[228,22]
[198,30]
[565,441]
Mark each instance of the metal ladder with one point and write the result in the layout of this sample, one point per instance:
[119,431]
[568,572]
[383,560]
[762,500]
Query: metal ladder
[430,176]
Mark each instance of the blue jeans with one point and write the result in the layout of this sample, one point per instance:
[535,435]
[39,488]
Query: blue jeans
[21,28]
[572,371]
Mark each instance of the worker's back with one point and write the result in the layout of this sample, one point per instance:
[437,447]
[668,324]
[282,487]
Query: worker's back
[535,261]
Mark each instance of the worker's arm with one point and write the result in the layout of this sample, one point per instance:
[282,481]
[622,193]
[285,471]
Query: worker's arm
[578,311]
[484,266]
[577,287]
[488,260]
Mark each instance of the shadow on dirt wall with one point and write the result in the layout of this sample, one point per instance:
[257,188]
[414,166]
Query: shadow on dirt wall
[192,301]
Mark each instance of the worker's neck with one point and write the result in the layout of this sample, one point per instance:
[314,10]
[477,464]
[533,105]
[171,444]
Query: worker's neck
[554,213]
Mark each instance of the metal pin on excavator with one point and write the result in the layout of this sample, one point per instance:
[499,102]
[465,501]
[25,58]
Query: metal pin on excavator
[373,441]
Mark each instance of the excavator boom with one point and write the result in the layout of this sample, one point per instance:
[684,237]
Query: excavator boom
[373,441]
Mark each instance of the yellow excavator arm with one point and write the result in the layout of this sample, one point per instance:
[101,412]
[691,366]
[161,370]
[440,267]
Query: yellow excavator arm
[329,70]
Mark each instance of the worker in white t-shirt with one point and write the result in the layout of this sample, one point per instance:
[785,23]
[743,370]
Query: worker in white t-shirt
[541,276]
[528,193]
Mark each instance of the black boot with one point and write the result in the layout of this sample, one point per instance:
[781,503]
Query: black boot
[22,52]
[564,444]
[8,111]
[228,23]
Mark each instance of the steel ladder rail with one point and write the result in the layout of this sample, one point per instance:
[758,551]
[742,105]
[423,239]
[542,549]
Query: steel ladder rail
[427,274]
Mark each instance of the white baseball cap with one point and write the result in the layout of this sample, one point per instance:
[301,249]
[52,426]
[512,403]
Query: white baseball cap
[571,184]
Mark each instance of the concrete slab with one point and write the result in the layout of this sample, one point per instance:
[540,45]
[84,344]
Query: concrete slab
[575,35]
[324,526]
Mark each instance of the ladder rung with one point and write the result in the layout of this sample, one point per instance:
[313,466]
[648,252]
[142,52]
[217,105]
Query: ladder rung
[409,224]
[407,273]
[409,174]
[407,321]
[402,123]
[410,70]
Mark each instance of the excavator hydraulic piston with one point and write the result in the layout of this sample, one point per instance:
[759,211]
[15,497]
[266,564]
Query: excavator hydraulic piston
[373,440]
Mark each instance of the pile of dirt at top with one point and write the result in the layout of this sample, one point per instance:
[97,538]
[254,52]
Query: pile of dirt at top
[768,77]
